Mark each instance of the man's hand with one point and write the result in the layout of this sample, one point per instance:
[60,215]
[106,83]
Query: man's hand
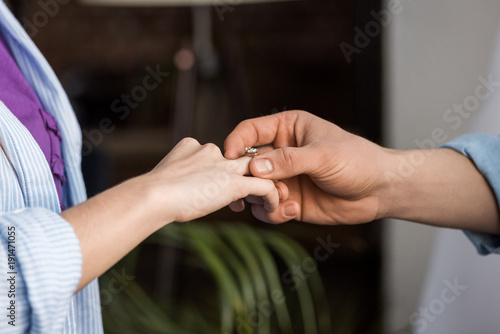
[335,177]
[332,176]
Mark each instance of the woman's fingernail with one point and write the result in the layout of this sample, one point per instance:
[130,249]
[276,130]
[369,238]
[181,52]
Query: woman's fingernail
[263,166]
[290,210]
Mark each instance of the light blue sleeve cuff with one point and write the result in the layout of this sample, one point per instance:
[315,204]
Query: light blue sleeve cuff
[41,266]
[484,151]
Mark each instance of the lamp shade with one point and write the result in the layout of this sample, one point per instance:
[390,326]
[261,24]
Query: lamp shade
[159,3]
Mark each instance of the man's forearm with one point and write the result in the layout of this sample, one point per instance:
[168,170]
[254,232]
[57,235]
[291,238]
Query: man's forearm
[438,187]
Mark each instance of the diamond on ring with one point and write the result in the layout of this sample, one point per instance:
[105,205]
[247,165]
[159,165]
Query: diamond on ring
[251,151]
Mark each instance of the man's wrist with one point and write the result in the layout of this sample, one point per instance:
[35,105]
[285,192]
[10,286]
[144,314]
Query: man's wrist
[393,177]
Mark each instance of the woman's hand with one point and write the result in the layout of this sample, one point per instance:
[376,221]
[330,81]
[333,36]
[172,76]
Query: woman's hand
[190,182]
[194,180]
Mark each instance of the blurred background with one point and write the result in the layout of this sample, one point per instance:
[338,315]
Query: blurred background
[143,74]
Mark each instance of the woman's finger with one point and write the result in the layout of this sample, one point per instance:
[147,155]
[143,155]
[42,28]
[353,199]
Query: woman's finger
[282,190]
[263,188]
[282,194]
[286,211]
[237,206]
[239,166]
[255,200]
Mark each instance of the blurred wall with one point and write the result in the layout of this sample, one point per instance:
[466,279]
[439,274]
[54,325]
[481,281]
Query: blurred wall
[434,52]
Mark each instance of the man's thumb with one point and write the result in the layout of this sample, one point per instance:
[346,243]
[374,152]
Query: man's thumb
[283,163]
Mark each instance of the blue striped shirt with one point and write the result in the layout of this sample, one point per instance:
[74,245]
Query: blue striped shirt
[40,258]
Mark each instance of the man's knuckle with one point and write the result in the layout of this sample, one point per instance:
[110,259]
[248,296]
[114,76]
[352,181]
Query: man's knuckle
[288,158]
